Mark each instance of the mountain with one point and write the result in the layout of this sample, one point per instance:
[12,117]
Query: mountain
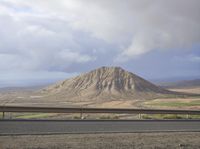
[182,84]
[104,84]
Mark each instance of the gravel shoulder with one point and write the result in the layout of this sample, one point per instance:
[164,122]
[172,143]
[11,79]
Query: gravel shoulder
[176,140]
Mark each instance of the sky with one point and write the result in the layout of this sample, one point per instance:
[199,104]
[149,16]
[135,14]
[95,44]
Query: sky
[44,41]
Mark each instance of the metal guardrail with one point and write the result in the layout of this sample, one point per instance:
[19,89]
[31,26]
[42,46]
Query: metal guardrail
[94,110]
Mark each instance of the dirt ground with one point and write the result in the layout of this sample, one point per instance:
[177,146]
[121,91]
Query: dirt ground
[170,140]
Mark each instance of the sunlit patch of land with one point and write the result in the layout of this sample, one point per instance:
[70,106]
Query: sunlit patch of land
[169,116]
[192,102]
[179,103]
[195,90]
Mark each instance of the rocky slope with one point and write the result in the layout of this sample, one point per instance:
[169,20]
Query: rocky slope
[106,83]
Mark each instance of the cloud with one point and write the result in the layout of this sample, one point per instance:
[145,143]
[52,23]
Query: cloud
[195,58]
[140,26]
[57,35]
[74,56]
[191,58]
[32,41]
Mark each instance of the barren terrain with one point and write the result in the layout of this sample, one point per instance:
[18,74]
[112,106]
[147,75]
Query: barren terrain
[33,98]
[175,140]
[105,87]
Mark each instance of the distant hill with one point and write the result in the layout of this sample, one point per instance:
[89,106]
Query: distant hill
[18,89]
[182,84]
[106,83]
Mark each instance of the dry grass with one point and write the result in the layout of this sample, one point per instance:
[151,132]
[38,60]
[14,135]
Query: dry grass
[192,103]
[174,103]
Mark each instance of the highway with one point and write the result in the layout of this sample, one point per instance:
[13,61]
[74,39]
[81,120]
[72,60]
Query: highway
[22,127]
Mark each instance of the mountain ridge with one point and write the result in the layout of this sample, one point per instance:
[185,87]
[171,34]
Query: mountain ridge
[106,83]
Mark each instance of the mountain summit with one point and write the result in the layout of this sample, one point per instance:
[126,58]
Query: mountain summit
[106,83]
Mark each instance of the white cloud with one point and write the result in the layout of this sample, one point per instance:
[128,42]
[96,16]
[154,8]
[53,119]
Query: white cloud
[194,58]
[71,56]
[141,26]
[188,58]
[32,41]
[39,30]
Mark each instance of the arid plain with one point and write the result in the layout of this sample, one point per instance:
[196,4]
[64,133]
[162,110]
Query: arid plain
[105,87]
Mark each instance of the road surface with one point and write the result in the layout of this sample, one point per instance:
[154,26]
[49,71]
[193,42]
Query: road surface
[8,127]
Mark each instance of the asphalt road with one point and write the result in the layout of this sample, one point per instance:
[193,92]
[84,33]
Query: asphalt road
[8,127]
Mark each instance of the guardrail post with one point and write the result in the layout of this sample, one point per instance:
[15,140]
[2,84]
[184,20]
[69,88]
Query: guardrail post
[81,114]
[140,116]
[10,115]
[3,116]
